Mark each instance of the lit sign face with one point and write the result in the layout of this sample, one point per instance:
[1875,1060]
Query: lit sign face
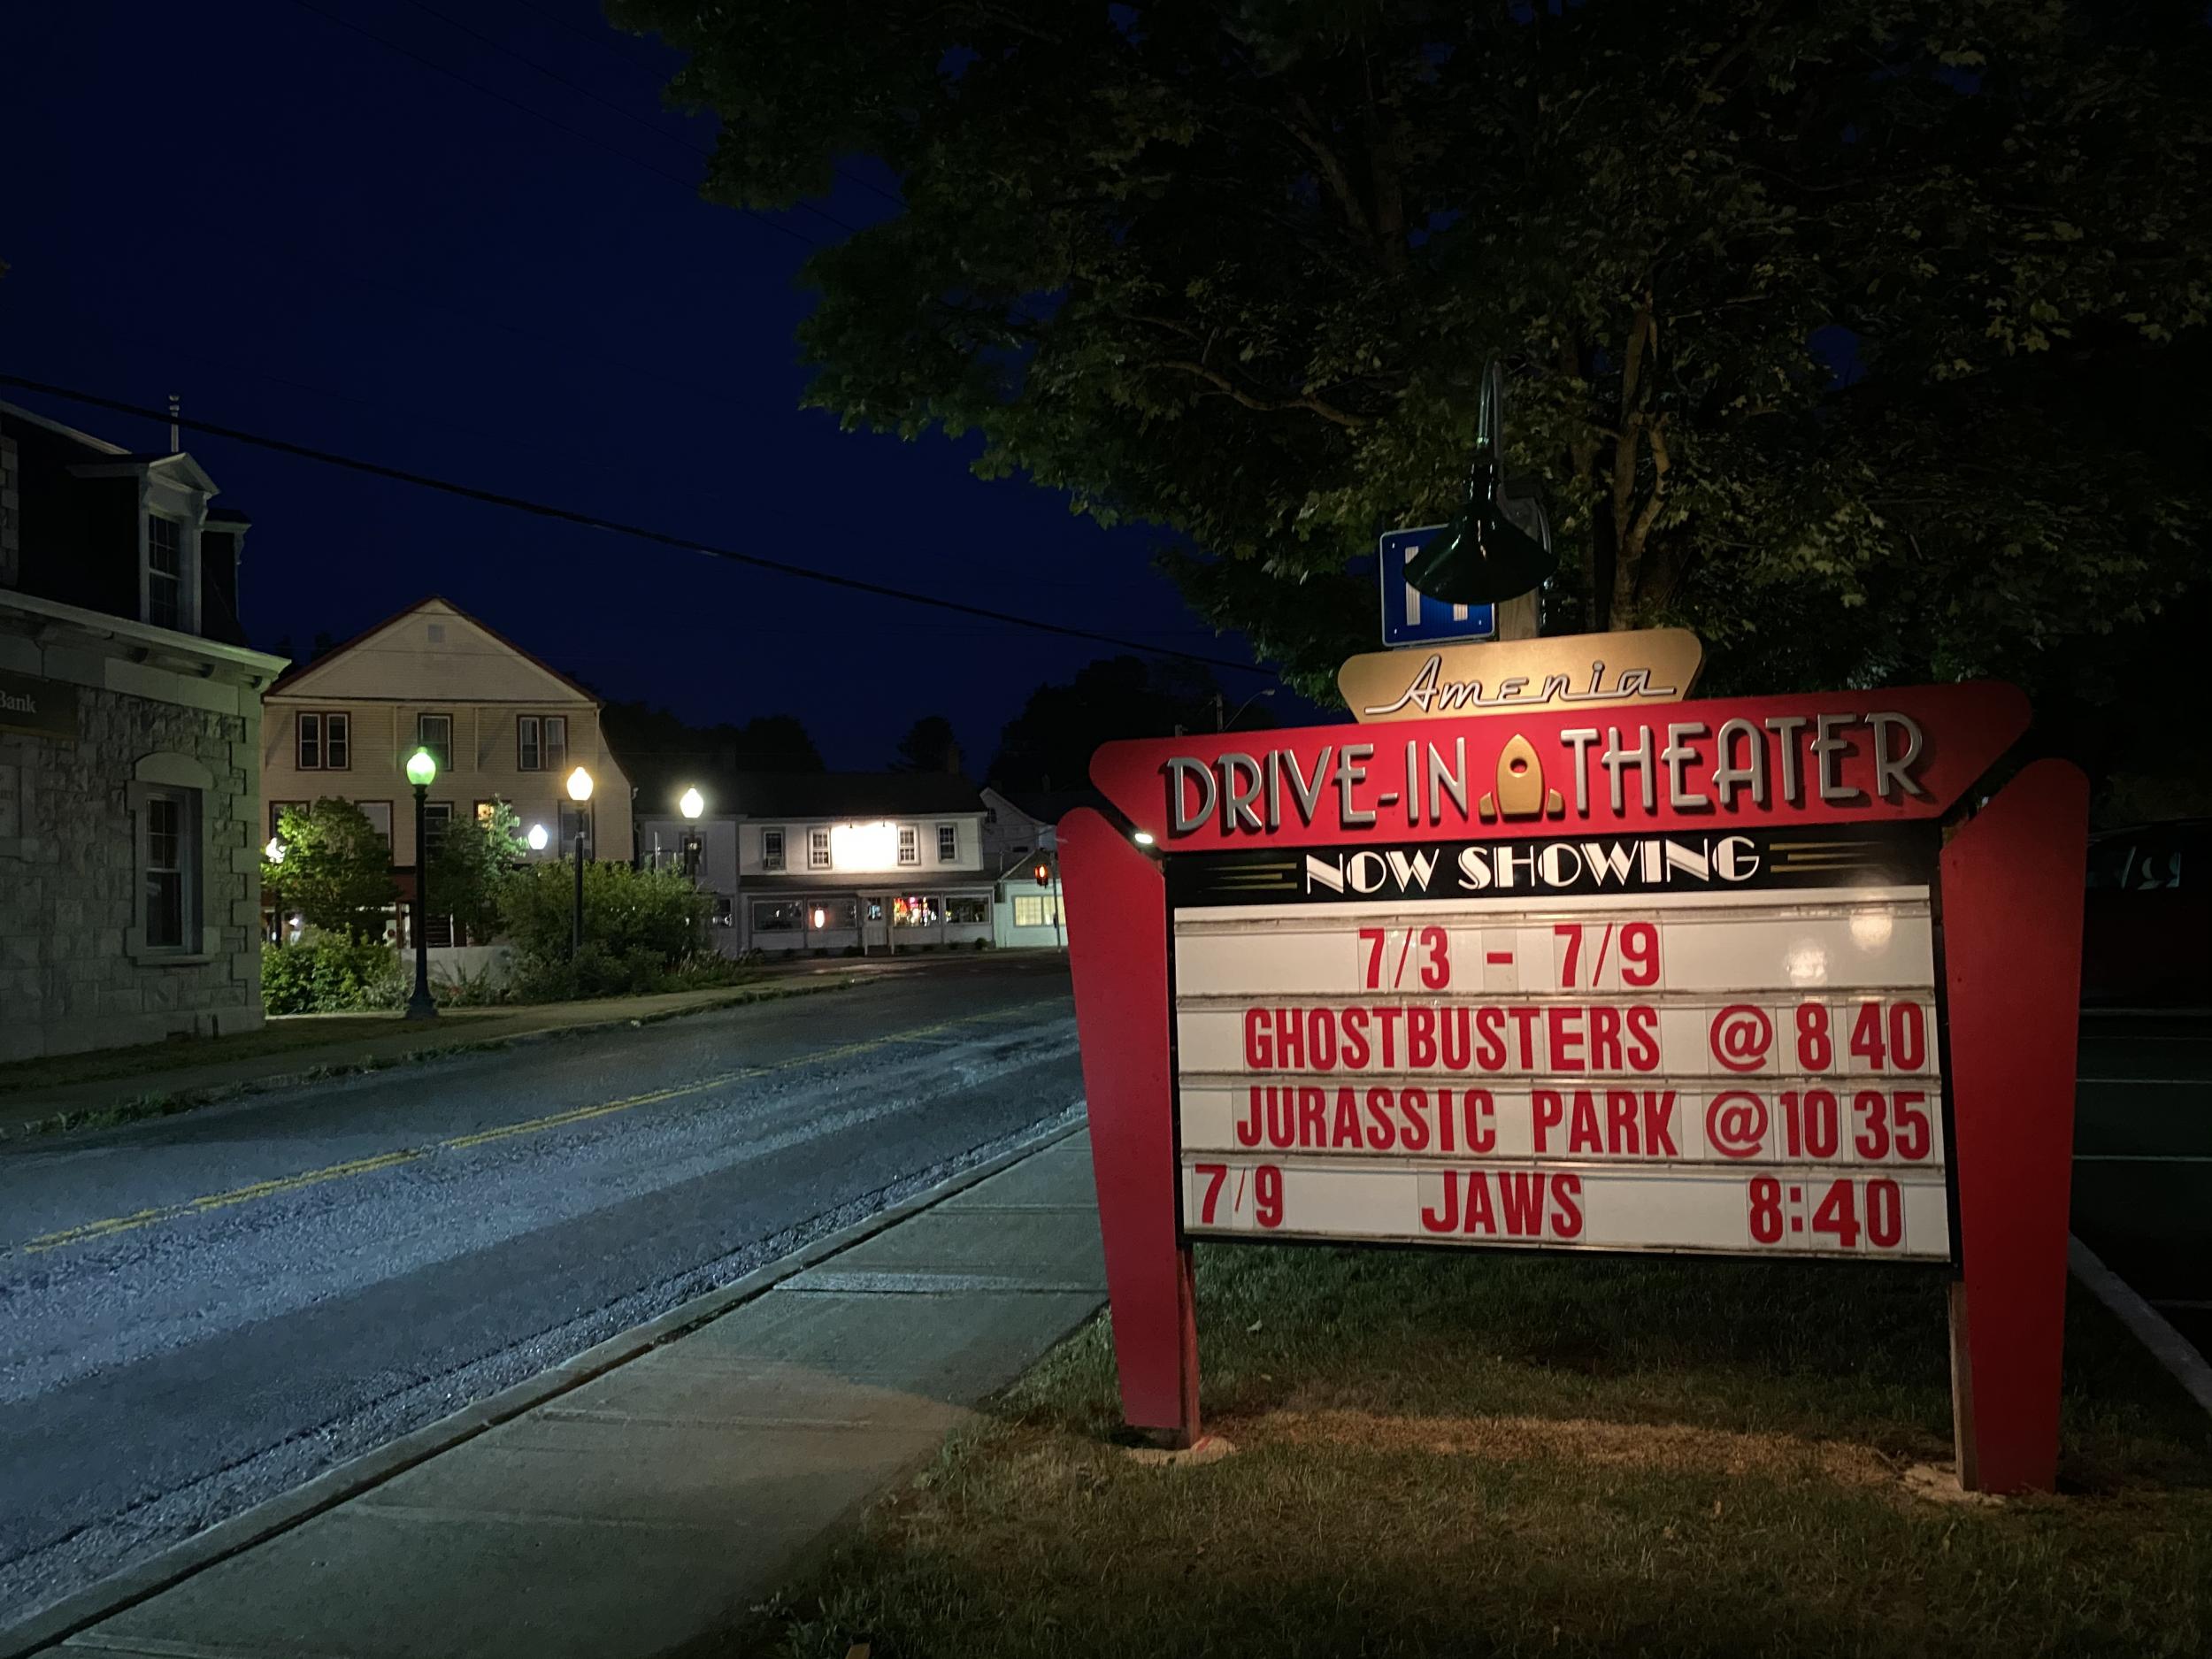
[1691,1042]
[864,847]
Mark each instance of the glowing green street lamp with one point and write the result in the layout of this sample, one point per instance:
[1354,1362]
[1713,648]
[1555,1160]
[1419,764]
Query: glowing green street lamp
[422,771]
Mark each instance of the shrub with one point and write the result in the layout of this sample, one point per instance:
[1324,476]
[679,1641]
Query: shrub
[329,975]
[641,929]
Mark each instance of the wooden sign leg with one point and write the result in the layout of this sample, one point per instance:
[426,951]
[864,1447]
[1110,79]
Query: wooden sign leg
[1118,952]
[2012,919]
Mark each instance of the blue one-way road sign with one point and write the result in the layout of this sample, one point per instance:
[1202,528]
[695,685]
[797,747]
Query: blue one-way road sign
[1410,617]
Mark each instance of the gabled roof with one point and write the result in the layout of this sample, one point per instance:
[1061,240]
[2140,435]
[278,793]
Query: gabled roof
[98,446]
[1049,807]
[193,473]
[296,680]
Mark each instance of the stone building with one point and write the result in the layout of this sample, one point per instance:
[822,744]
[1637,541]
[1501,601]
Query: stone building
[130,742]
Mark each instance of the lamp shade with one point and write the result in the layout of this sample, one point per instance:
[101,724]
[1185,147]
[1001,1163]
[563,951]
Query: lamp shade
[1483,556]
[579,785]
[422,768]
[693,803]
[539,836]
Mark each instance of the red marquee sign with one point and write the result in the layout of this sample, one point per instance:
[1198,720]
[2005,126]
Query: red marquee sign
[1746,978]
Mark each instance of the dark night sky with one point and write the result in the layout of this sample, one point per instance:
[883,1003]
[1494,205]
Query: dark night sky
[309,234]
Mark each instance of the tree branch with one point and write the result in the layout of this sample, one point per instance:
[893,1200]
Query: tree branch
[1266,405]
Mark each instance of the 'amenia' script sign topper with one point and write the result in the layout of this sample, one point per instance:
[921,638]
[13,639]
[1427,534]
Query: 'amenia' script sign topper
[1586,670]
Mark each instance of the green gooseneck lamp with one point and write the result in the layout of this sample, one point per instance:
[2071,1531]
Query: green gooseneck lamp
[1483,555]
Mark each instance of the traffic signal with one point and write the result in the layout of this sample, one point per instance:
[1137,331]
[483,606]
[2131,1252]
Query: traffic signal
[1043,872]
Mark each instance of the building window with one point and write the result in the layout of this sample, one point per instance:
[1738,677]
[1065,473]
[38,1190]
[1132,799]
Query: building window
[165,571]
[771,849]
[967,908]
[948,843]
[529,749]
[910,845]
[437,817]
[824,914]
[1036,909]
[380,816]
[557,742]
[172,828]
[779,916]
[278,809]
[916,909]
[575,820]
[724,910]
[434,733]
[325,742]
[818,849]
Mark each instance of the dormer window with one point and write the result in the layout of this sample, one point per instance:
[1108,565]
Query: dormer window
[165,571]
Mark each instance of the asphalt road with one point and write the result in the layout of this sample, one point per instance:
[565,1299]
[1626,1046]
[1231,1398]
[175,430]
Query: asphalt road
[2142,1195]
[200,1312]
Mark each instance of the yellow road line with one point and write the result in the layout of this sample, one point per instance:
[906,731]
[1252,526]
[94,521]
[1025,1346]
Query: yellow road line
[88,1231]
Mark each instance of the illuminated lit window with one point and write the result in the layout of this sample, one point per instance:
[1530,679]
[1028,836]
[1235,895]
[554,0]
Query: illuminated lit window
[910,845]
[1035,910]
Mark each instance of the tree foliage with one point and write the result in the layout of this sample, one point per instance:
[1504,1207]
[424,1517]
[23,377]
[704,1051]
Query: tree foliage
[335,873]
[469,860]
[1882,309]
[661,754]
[1048,745]
[929,745]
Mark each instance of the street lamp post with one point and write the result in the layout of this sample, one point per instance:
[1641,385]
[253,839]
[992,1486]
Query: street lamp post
[580,792]
[1222,723]
[422,768]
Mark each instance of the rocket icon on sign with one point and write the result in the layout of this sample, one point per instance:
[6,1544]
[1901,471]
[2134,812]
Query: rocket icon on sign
[1520,788]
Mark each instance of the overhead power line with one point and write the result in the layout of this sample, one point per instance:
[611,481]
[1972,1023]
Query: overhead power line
[661,538]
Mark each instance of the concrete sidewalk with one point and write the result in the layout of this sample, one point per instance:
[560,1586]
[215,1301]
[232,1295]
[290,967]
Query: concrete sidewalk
[650,1506]
[362,1042]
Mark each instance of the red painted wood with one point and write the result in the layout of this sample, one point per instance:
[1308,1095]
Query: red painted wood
[2012,921]
[1118,952]
[1967,727]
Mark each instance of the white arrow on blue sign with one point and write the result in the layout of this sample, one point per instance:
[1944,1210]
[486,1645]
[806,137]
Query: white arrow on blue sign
[1410,617]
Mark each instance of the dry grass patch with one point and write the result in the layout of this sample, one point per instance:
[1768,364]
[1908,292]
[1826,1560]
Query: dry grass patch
[1674,1448]
[1502,1455]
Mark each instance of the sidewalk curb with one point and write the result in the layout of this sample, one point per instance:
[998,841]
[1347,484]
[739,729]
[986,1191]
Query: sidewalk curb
[175,1105]
[272,1516]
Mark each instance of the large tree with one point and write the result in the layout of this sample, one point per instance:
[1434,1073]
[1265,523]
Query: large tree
[1865,337]
[1048,745]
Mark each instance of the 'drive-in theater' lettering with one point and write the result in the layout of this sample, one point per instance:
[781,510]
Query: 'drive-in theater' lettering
[1745,977]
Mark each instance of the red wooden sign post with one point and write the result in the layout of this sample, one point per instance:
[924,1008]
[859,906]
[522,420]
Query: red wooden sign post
[1756,977]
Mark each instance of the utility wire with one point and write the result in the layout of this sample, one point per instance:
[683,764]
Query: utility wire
[565,515]
[689,185]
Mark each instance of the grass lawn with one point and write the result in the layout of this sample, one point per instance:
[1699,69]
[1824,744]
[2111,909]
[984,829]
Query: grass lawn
[280,1036]
[1492,1454]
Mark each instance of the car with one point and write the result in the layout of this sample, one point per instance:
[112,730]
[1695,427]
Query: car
[2149,910]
